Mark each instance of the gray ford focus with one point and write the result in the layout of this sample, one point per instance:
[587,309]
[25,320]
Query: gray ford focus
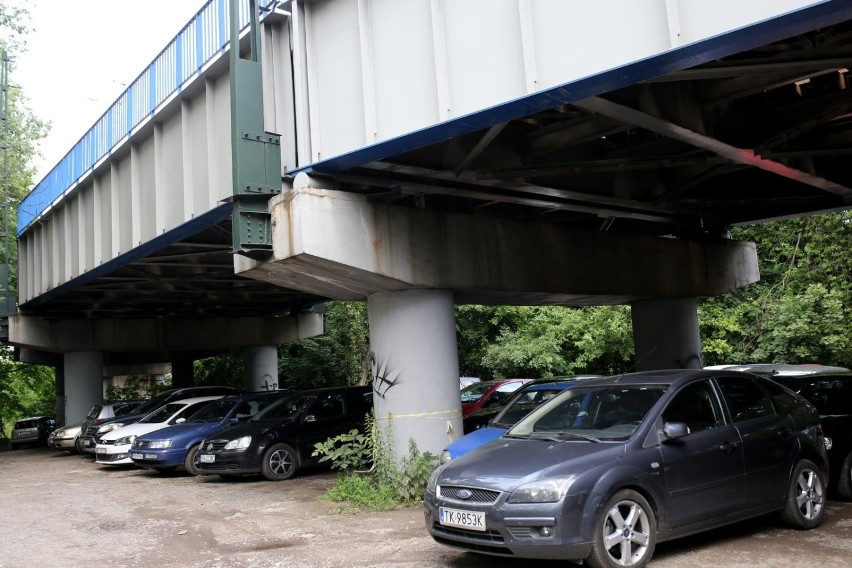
[607,469]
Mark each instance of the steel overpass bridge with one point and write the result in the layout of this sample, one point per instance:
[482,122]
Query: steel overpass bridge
[421,153]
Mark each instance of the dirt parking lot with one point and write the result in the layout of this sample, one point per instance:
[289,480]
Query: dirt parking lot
[59,510]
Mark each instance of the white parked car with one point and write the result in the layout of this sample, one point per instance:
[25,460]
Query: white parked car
[114,447]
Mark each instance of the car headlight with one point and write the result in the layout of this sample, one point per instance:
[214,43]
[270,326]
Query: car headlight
[109,427]
[126,440]
[542,491]
[239,443]
[446,457]
[160,444]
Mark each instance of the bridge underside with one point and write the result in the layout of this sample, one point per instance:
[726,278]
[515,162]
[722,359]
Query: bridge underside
[759,135]
[764,134]
[189,278]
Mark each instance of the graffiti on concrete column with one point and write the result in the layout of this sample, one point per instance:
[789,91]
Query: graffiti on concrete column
[267,385]
[384,379]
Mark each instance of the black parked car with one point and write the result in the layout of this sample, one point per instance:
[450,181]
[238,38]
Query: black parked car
[831,393]
[280,439]
[610,467]
[92,435]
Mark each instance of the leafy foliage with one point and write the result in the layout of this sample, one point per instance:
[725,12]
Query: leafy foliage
[347,452]
[338,357]
[226,370]
[373,477]
[543,341]
[136,387]
[797,312]
[25,390]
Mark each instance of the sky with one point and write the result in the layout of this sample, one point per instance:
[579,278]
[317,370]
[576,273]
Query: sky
[82,54]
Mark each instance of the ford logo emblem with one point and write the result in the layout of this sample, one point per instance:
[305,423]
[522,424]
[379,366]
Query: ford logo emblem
[465,494]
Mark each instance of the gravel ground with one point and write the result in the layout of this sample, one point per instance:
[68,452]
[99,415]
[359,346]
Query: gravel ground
[59,510]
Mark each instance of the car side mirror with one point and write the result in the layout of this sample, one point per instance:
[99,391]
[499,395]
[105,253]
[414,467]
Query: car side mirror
[180,420]
[235,420]
[674,430]
[310,418]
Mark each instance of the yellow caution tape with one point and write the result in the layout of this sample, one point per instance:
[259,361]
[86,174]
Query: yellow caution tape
[440,413]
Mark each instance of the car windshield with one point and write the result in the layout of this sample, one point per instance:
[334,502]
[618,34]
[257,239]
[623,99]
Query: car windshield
[523,403]
[474,392]
[215,411]
[94,412]
[832,395]
[601,413]
[152,404]
[124,409]
[163,413]
[281,409]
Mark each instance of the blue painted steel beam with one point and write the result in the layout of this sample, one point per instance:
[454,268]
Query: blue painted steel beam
[133,106]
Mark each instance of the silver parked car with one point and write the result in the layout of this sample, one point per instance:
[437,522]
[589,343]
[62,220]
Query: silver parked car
[66,438]
[32,431]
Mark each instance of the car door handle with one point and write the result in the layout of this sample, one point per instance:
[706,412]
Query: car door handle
[729,447]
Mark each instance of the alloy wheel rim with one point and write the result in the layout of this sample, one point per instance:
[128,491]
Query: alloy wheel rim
[280,462]
[626,533]
[809,496]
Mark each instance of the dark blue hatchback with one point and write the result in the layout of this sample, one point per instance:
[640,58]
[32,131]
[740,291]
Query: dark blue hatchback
[176,446]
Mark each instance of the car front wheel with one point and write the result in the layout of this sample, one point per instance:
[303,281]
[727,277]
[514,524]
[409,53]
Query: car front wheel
[805,506]
[625,532]
[279,462]
[189,460]
[844,481]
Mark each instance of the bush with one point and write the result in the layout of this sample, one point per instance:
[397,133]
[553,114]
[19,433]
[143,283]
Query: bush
[372,476]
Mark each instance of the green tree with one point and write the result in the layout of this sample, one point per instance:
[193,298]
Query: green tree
[544,341]
[797,312]
[227,370]
[24,389]
[25,130]
[338,357]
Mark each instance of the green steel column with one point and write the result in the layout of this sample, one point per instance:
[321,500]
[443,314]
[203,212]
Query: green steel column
[256,154]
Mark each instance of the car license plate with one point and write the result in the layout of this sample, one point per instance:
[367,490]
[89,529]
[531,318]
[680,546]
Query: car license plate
[87,443]
[101,450]
[150,456]
[206,458]
[470,520]
[136,456]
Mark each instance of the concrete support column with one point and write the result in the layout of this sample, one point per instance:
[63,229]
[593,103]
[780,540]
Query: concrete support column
[84,383]
[261,368]
[59,373]
[415,368]
[665,334]
[182,373]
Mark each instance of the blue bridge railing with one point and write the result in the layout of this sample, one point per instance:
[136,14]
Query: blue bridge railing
[205,37]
